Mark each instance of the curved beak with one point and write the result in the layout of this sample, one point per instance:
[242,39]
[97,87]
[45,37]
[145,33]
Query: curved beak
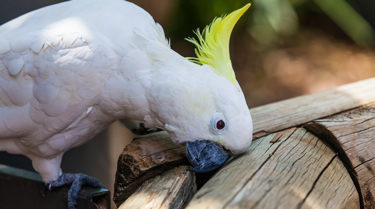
[205,156]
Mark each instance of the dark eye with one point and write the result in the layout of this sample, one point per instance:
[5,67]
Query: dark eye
[220,124]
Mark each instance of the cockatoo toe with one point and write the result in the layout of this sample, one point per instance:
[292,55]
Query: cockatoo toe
[205,156]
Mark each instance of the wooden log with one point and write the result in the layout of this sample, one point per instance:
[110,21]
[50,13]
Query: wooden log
[352,134]
[144,158]
[151,155]
[299,110]
[171,190]
[290,169]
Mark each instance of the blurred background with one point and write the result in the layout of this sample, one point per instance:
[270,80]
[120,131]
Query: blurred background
[279,49]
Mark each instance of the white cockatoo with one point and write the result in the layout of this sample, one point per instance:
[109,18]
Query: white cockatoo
[69,70]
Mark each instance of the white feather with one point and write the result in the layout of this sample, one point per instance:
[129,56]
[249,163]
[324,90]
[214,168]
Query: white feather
[14,66]
[69,70]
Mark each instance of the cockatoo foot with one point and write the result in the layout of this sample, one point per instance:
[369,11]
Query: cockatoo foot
[76,181]
[142,130]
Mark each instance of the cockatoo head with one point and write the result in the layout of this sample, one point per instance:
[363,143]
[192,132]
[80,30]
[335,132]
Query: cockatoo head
[208,111]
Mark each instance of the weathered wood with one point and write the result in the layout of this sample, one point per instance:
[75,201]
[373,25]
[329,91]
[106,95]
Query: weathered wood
[171,190]
[292,112]
[290,169]
[352,134]
[144,158]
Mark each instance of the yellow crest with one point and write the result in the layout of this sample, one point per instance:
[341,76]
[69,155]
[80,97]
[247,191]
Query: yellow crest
[213,44]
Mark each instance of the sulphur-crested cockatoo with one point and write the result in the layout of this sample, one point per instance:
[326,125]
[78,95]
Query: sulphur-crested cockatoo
[69,70]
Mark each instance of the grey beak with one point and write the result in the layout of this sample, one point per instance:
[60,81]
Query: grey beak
[205,156]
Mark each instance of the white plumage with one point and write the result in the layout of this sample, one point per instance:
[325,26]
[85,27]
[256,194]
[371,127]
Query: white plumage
[69,70]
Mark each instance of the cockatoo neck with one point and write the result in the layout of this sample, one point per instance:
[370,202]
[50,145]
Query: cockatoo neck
[125,94]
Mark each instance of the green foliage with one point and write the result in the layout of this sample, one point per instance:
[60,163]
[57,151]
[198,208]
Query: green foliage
[270,21]
[275,19]
[349,20]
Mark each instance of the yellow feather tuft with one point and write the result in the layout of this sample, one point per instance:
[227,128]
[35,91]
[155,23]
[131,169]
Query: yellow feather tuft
[213,44]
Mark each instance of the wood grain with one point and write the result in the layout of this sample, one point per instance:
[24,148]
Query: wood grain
[171,190]
[299,110]
[144,158]
[296,170]
[352,134]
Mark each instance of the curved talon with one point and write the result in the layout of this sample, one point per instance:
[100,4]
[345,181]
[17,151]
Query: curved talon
[43,190]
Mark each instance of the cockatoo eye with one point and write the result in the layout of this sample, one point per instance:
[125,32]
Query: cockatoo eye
[220,124]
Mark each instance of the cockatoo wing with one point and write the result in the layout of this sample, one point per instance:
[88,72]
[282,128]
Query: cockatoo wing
[51,72]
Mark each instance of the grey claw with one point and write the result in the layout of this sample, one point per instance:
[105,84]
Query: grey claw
[43,190]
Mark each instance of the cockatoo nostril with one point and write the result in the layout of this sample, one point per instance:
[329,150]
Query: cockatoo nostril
[205,155]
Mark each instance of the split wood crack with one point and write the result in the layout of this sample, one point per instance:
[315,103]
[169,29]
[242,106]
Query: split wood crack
[315,182]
